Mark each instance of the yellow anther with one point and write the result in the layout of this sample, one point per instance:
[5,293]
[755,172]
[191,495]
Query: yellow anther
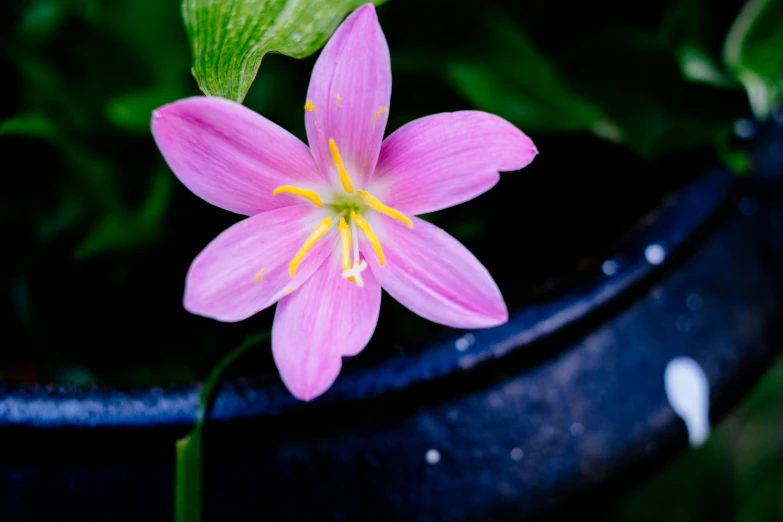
[309,194]
[338,99]
[345,241]
[338,162]
[377,206]
[309,106]
[379,113]
[260,275]
[365,227]
[322,228]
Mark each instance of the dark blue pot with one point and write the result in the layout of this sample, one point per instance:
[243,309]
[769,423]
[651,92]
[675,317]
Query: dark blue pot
[565,399]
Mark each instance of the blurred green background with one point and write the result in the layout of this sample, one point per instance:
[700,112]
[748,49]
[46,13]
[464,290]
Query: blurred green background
[624,100]
[620,99]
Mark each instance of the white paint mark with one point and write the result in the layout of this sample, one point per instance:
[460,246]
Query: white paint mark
[464,342]
[432,456]
[689,395]
[655,254]
[517,454]
[609,267]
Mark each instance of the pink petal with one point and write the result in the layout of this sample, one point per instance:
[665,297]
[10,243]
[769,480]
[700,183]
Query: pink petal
[350,89]
[245,268]
[328,317]
[446,159]
[232,157]
[434,275]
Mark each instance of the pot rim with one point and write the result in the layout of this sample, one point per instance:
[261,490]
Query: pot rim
[652,246]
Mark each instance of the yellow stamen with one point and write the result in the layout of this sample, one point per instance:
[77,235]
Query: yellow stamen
[377,206]
[345,242]
[338,162]
[322,228]
[309,106]
[379,113]
[365,227]
[305,193]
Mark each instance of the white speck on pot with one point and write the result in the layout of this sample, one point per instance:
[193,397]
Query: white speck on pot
[495,400]
[464,342]
[650,448]
[694,302]
[683,323]
[517,454]
[688,392]
[432,456]
[609,267]
[655,254]
[744,128]
[577,430]
[748,206]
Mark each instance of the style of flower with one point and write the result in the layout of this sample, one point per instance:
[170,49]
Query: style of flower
[331,225]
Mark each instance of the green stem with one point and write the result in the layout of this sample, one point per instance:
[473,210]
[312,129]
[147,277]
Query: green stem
[187,495]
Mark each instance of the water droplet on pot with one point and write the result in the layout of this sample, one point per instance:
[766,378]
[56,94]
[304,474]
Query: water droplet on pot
[609,267]
[694,302]
[655,254]
[464,342]
[744,128]
[683,323]
[748,206]
[432,456]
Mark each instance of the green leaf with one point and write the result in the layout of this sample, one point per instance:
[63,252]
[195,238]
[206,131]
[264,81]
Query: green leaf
[513,79]
[229,38]
[119,230]
[187,495]
[132,111]
[32,125]
[753,53]
[698,66]
[92,171]
[736,160]
[687,26]
[631,76]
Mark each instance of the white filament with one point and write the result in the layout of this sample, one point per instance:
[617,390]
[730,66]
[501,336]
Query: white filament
[356,272]
[355,239]
[357,267]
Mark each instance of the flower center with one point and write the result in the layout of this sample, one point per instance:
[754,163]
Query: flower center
[344,204]
[345,207]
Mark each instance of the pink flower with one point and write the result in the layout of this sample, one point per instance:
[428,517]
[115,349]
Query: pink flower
[330,225]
